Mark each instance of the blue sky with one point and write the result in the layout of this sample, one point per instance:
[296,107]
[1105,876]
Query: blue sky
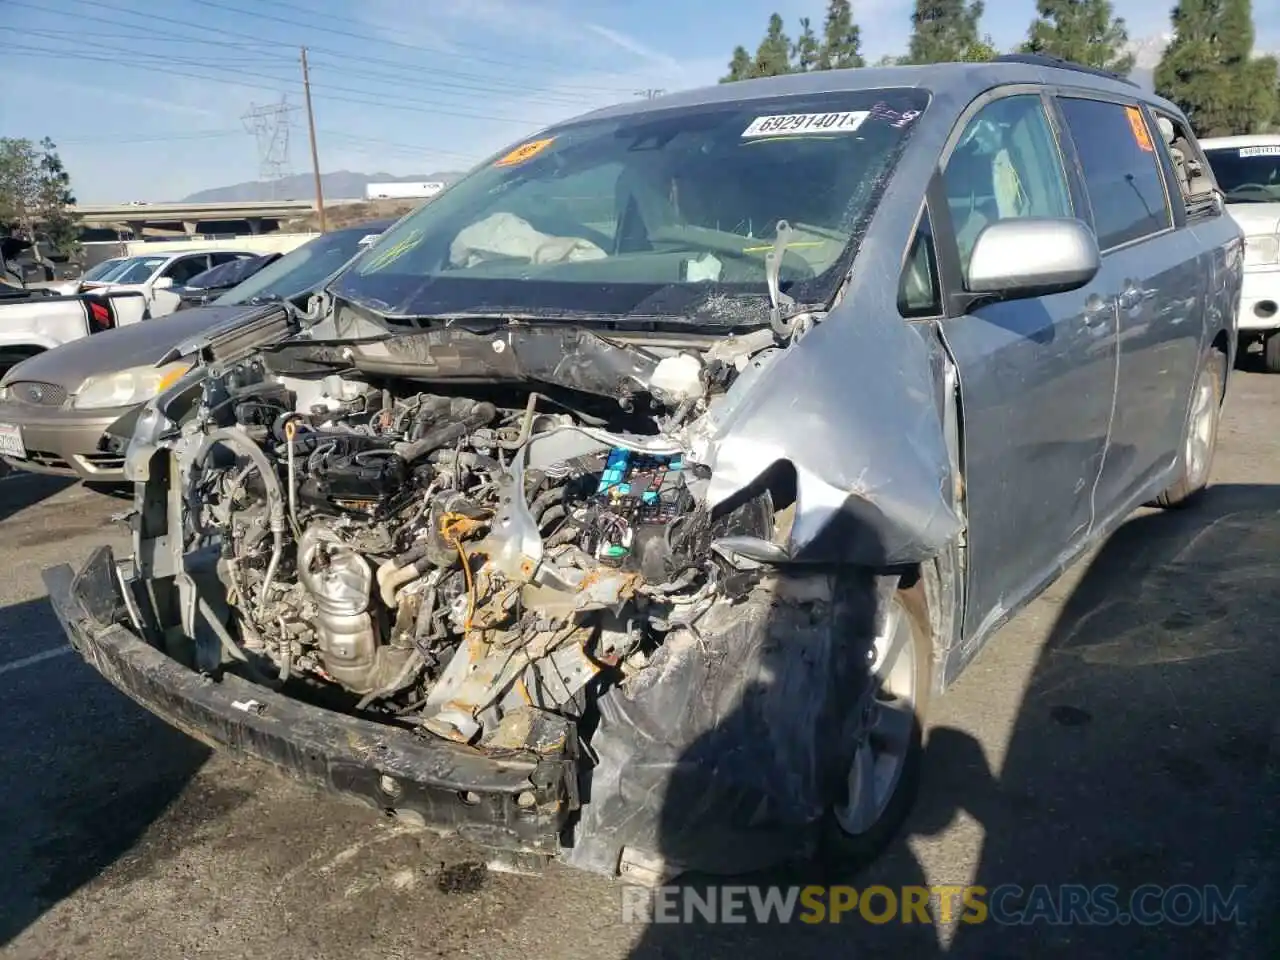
[145,99]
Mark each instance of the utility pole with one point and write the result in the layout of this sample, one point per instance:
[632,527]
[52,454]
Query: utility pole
[311,125]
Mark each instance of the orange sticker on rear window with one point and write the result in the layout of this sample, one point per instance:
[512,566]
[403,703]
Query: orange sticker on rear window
[525,152]
[1139,126]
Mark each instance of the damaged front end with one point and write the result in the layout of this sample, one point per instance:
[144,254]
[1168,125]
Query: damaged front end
[489,576]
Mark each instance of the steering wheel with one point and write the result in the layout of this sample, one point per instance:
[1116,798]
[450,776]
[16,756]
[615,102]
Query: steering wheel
[792,263]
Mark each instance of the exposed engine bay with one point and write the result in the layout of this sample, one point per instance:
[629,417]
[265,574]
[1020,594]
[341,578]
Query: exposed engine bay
[451,562]
[511,577]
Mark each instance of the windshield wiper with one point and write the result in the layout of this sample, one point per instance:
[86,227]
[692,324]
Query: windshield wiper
[263,299]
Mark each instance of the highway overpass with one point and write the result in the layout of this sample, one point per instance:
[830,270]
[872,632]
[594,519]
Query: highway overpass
[245,216]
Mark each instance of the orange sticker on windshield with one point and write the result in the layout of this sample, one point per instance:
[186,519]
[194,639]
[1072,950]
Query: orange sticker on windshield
[1139,126]
[526,152]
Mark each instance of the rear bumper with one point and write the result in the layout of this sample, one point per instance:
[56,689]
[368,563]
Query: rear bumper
[66,443]
[518,803]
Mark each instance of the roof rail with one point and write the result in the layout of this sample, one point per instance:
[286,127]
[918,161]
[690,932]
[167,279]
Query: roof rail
[1042,60]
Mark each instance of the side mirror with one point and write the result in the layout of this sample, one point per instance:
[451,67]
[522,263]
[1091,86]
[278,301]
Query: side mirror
[1015,259]
[163,283]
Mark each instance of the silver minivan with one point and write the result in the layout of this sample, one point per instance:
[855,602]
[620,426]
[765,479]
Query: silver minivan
[629,502]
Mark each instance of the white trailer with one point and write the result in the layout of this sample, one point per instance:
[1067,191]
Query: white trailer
[406,190]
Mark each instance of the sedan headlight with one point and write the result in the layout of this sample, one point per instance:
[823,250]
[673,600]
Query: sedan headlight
[1261,250]
[124,388]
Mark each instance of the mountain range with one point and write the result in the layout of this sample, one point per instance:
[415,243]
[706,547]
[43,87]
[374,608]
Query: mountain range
[341,185]
[1147,52]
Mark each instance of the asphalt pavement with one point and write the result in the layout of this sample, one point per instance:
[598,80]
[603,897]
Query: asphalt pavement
[1122,730]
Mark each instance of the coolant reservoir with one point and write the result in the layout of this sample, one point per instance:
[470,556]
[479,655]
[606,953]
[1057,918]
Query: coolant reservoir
[678,378]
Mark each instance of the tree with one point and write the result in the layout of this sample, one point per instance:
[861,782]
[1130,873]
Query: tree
[740,66]
[947,30]
[1083,31]
[841,38]
[773,57]
[806,53]
[980,51]
[35,192]
[838,48]
[1210,72]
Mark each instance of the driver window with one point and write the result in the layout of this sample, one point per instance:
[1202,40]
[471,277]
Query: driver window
[1006,165]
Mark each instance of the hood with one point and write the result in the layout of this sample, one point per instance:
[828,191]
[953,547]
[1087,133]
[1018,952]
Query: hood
[145,342]
[1255,218]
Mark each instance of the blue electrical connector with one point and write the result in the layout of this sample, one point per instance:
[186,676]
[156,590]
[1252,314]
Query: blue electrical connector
[615,473]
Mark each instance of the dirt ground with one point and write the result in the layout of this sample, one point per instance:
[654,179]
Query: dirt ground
[1121,730]
[342,215]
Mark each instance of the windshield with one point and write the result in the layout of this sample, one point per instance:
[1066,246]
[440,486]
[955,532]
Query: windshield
[98,271]
[301,270]
[1247,174]
[135,270]
[650,214]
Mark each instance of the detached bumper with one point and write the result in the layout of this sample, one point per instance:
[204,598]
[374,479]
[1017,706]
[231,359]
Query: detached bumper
[517,803]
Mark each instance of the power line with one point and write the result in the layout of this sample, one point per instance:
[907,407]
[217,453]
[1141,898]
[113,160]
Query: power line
[270,124]
[492,83]
[557,96]
[125,139]
[548,97]
[244,79]
[348,33]
[395,145]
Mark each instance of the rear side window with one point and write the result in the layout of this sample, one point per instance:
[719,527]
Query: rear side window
[1121,171]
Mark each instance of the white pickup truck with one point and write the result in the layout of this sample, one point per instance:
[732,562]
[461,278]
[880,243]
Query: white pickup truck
[33,321]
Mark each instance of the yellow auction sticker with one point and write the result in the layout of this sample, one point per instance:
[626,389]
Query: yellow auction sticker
[525,152]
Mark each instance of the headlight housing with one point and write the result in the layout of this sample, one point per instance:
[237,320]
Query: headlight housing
[1261,250]
[124,388]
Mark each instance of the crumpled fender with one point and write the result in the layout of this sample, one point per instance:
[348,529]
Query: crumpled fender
[723,752]
[853,408]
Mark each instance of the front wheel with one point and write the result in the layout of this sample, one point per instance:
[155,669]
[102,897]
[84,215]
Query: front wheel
[1201,436]
[1271,352]
[888,742]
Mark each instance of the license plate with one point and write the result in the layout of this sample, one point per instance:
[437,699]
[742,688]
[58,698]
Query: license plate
[11,441]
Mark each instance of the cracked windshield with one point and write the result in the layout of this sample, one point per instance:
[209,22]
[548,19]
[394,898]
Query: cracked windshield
[642,203]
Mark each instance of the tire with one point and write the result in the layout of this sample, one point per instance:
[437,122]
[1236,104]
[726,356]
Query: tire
[849,842]
[1200,436]
[1271,352]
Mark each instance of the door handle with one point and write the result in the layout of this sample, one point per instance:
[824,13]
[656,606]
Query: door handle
[1097,309]
[1131,297]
